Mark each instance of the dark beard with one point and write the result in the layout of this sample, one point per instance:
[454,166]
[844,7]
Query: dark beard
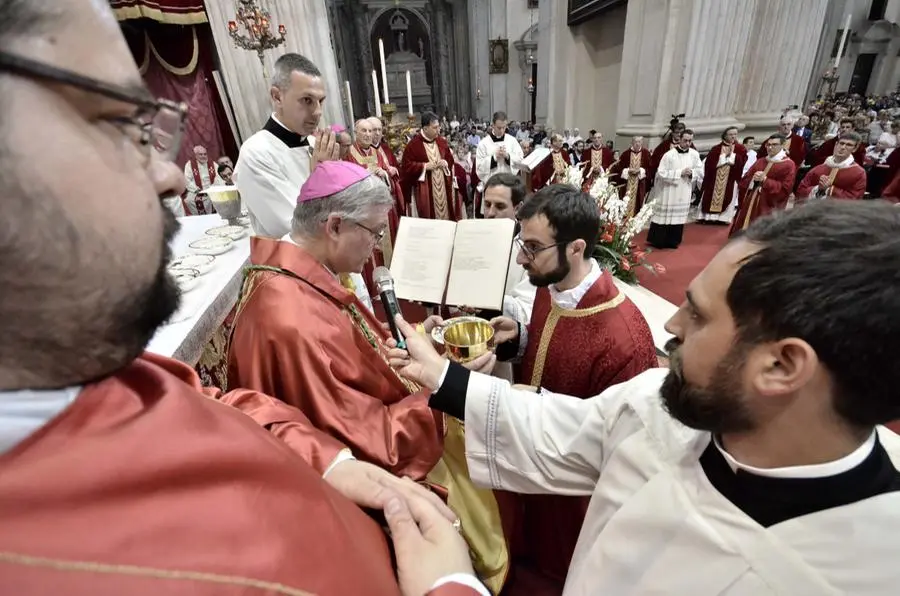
[539,280]
[137,318]
[719,407]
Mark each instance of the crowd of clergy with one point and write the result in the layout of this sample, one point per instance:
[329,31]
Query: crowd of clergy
[566,461]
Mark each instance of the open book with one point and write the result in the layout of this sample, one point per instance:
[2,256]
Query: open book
[468,260]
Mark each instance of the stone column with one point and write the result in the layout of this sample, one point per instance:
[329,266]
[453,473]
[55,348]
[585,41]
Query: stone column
[497,30]
[720,62]
[364,60]
[776,69]
[462,98]
[479,17]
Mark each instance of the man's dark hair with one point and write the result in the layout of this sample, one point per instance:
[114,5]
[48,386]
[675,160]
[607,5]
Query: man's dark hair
[289,63]
[849,121]
[498,116]
[428,118]
[820,276]
[687,131]
[725,132]
[593,131]
[778,136]
[571,213]
[222,167]
[744,142]
[514,183]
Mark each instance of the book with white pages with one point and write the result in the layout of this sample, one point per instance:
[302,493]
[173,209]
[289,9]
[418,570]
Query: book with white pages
[466,260]
[534,159]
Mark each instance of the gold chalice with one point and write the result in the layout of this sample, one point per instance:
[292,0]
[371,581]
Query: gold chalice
[467,338]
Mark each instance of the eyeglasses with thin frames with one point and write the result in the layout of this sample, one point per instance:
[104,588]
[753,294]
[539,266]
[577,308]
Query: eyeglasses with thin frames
[156,124]
[532,251]
[378,236]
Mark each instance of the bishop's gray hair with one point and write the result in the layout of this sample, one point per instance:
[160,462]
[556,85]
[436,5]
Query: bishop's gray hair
[289,63]
[355,203]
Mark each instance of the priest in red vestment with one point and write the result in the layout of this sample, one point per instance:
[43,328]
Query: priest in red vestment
[584,336]
[302,336]
[794,146]
[840,177]
[598,158]
[119,473]
[766,186]
[825,150]
[381,145]
[891,192]
[722,171]
[630,174]
[426,174]
[553,168]
[364,154]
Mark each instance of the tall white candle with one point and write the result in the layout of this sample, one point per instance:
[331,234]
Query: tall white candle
[349,102]
[409,94]
[383,71]
[377,96]
[837,60]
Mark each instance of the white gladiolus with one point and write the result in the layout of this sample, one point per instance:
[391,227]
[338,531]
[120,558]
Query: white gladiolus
[573,177]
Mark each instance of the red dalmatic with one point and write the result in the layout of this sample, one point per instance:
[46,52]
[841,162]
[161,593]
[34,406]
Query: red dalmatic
[551,170]
[580,352]
[846,183]
[432,190]
[761,198]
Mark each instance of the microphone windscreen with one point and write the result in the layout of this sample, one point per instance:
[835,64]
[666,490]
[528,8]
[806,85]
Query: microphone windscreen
[382,276]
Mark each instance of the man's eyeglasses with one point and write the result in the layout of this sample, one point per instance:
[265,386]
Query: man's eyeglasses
[531,249]
[157,123]
[376,235]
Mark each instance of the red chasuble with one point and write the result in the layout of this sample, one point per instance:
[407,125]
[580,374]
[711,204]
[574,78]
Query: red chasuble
[825,150]
[144,486]
[892,191]
[795,147]
[594,160]
[580,352]
[719,182]
[387,155]
[762,199]
[434,195]
[846,183]
[551,170]
[632,185]
[300,336]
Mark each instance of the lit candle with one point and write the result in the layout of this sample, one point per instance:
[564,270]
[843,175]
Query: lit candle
[377,97]
[383,71]
[408,94]
[232,26]
[349,102]
[282,30]
[837,60]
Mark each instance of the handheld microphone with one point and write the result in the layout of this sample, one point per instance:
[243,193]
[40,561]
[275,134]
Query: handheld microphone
[383,281]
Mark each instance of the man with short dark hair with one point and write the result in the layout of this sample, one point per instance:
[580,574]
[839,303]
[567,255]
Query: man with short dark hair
[758,458]
[723,168]
[497,152]
[767,185]
[584,335]
[840,177]
[826,149]
[426,173]
[275,162]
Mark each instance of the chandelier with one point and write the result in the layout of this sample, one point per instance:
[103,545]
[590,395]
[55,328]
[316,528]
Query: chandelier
[252,30]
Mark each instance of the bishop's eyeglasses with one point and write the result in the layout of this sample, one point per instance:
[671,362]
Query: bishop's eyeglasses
[156,123]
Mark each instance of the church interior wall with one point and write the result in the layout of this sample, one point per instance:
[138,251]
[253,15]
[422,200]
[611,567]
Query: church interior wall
[580,89]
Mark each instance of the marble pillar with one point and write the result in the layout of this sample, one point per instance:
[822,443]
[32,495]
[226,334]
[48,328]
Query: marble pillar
[362,49]
[720,62]
[776,69]
[461,100]
[497,30]
[479,19]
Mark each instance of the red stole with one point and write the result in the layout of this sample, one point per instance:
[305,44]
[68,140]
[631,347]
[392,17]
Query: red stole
[195,170]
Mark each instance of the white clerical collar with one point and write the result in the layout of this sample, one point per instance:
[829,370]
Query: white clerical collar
[569,299]
[280,123]
[780,156]
[832,468]
[23,412]
[848,161]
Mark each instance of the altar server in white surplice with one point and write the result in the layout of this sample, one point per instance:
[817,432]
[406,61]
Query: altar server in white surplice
[676,176]
[497,152]
[757,464]
[275,162]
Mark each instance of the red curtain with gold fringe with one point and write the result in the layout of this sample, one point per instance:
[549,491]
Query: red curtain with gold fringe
[177,62]
[173,12]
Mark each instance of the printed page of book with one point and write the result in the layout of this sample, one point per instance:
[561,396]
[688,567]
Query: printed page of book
[535,158]
[480,263]
[421,258]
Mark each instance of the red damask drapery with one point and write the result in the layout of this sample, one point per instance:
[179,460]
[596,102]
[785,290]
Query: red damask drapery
[177,62]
